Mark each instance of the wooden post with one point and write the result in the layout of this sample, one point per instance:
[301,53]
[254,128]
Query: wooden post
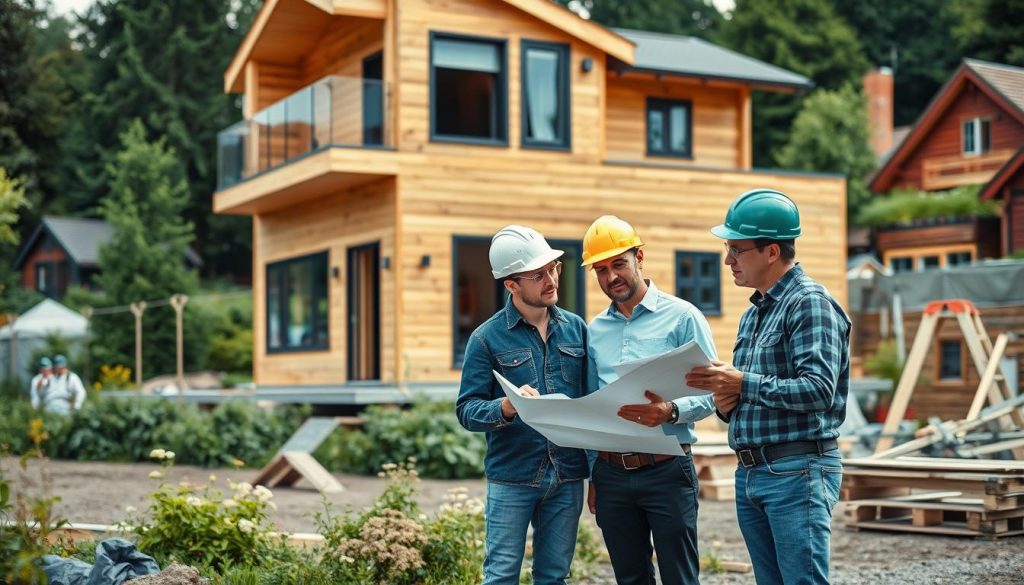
[137,310]
[178,302]
[87,313]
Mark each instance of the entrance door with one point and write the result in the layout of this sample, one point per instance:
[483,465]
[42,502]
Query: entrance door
[364,312]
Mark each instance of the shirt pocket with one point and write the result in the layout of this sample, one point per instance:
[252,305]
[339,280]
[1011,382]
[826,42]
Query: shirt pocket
[771,354]
[518,367]
[652,346]
[571,358]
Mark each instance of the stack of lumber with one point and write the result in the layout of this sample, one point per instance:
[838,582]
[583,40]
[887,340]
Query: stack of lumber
[716,471]
[956,497]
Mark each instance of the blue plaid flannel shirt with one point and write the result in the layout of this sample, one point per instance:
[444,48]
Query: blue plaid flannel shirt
[793,347]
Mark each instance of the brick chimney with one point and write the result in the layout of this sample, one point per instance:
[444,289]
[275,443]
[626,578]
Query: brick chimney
[878,89]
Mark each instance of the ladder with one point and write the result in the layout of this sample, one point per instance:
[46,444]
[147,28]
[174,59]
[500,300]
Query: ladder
[986,357]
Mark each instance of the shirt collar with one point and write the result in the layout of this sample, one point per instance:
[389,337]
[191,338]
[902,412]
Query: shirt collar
[513,317]
[649,302]
[779,289]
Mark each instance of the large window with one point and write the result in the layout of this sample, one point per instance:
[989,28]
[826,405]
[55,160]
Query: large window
[698,280]
[468,89]
[669,128]
[901,264]
[545,77]
[958,259]
[297,304]
[478,295]
[976,136]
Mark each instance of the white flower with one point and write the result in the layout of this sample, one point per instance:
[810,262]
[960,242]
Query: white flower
[156,474]
[131,509]
[262,493]
[272,505]
[193,501]
[169,455]
[229,503]
[157,454]
[389,467]
[213,478]
[243,489]
[246,525]
[347,559]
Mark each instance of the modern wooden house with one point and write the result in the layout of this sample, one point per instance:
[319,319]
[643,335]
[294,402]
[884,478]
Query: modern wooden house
[65,251]
[972,133]
[385,141]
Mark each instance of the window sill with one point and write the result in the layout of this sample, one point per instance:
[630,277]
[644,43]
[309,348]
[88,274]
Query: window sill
[302,349]
[468,140]
[671,155]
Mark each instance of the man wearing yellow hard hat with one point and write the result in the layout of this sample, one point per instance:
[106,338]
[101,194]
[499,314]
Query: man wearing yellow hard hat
[787,399]
[637,495]
[540,347]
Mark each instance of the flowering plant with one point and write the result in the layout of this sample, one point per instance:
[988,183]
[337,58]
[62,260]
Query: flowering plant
[198,524]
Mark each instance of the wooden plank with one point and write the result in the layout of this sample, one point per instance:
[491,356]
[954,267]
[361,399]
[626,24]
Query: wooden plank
[313,472]
[926,517]
[908,380]
[993,466]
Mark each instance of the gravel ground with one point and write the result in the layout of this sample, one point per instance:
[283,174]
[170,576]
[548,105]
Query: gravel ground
[98,493]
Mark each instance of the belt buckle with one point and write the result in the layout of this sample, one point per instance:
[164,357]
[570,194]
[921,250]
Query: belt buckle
[626,466]
[746,457]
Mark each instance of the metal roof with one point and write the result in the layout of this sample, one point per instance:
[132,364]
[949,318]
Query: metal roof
[690,56]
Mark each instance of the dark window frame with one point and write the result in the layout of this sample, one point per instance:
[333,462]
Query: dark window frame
[564,97]
[501,100]
[892,264]
[982,140]
[696,281]
[501,297]
[940,367]
[370,65]
[665,106]
[283,265]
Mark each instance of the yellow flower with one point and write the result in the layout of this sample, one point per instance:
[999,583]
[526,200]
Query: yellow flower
[156,475]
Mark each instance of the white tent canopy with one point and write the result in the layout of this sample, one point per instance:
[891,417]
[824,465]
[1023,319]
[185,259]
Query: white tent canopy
[47,317]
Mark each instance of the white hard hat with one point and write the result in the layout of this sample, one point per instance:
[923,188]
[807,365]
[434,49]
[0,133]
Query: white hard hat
[519,249]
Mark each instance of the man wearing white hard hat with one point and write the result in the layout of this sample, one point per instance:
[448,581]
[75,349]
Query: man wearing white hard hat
[539,347]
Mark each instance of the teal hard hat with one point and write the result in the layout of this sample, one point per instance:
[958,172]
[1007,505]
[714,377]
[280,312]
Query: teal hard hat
[60,361]
[45,363]
[760,213]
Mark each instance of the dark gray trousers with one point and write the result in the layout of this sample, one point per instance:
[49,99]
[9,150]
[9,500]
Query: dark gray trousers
[658,500]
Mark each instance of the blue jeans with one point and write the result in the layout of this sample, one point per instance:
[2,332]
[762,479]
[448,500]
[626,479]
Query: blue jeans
[554,510]
[784,509]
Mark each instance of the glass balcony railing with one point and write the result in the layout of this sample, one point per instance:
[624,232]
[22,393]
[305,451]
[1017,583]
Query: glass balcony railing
[335,111]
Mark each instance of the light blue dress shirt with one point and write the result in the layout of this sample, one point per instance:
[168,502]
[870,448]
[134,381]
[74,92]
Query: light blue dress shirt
[659,324]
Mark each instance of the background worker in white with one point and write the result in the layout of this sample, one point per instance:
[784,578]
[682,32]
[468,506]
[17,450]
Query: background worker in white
[65,392]
[41,381]
[637,495]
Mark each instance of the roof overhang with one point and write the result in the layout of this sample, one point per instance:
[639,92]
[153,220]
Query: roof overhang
[754,84]
[884,178]
[282,19]
[1003,176]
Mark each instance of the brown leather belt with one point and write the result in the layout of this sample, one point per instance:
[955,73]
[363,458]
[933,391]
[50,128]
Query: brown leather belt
[631,461]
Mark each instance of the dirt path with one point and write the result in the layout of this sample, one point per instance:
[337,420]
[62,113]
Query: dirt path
[98,493]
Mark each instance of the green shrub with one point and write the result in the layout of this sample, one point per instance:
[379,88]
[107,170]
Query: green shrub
[427,431]
[906,206]
[198,525]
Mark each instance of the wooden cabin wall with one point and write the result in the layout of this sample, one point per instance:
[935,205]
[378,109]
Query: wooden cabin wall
[493,20]
[333,223]
[445,196]
[715,121]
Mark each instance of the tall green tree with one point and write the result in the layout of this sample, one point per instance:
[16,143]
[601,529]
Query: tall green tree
[163,63]
[992,30]
[13,298]
[697,18]
[805,36]
[830,134]
[912,38]
[144,259]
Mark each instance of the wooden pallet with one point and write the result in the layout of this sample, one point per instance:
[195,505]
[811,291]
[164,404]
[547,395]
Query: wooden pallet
[716,471]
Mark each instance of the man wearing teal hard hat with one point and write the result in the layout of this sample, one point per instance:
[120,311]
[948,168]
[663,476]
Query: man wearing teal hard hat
[64,392]
[785,398]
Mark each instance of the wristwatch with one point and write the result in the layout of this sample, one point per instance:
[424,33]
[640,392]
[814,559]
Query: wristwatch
[674,417]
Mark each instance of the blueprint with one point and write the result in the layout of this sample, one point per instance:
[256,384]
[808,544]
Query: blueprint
[592,422]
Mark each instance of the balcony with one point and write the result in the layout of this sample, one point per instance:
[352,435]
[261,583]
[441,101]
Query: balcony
[954,171]
[333,112]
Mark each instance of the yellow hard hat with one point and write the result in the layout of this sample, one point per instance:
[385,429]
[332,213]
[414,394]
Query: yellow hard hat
[608,236]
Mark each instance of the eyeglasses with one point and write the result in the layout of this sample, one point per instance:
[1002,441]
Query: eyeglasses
[735,252]
[554,271]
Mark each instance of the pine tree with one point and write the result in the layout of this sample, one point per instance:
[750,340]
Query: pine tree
[805,36]
[144,260]
[992,30]
[697,18]
[163,63]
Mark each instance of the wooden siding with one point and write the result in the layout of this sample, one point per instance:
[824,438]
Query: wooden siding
[333,224]
[1015,218]
[441,196]
[979,236]
[945,399]
[46,250]
[717,119]
[493,20]
[944,142]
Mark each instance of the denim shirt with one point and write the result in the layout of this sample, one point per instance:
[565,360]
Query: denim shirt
[507,343]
